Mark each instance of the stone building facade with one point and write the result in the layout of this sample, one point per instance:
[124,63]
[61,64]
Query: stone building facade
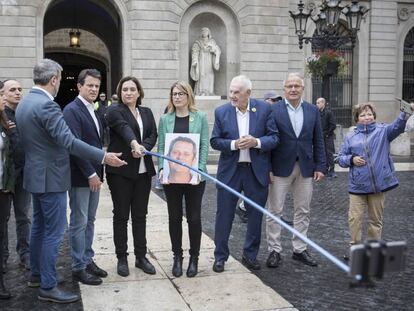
[152,41]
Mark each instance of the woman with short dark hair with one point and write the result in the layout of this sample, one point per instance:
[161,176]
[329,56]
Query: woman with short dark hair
[132,127]
[366,151]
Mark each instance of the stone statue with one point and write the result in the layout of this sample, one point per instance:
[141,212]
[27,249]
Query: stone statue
[205,58]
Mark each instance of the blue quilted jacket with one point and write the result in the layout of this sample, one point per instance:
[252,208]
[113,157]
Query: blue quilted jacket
[372,142]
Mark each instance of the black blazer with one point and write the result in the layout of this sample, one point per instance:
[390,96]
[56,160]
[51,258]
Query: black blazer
[83,127]
[123,128]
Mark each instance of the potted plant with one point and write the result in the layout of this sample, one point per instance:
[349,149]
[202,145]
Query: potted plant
[326,63]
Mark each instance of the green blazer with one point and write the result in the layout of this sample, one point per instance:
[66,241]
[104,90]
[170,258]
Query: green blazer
[198,125]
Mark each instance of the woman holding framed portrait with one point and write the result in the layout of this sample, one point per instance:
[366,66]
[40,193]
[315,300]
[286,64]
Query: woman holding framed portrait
[183,119]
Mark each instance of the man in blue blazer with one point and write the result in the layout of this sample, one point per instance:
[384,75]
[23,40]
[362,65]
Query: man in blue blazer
[47,142]
[86,178]
[245,133]
[298,159]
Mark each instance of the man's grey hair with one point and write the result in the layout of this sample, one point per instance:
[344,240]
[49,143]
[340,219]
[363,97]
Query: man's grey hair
[45,70]
[246,82]
[294,75]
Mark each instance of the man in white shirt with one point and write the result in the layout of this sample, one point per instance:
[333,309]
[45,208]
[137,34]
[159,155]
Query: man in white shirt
[86,178]
[244,132]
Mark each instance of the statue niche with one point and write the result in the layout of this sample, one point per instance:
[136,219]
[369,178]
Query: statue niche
[205,59]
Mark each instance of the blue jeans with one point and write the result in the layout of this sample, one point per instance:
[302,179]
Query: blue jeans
[49,224]
[21,204]
[83,204]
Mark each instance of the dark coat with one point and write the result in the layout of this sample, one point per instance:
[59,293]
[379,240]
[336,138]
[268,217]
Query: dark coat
[123,129]
[83,127]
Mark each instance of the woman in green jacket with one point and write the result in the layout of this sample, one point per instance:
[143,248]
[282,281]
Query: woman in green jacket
[6,183]
[183,117]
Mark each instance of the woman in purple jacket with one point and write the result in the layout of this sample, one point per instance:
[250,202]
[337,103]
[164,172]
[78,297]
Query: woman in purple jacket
[366,151]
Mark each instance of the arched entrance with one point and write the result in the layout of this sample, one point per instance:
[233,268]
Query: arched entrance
[101,30]
[408,67]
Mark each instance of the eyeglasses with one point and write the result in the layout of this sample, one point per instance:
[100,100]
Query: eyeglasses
[179,94]
[293,86]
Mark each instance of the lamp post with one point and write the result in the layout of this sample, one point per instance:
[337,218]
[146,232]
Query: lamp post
[327,35]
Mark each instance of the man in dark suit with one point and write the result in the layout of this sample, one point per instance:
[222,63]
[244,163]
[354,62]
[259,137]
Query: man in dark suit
[86,177]
[298,159]
[47,142]
[245,133]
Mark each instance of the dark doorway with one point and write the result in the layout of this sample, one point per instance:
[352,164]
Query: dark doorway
[408,67]
[72,66]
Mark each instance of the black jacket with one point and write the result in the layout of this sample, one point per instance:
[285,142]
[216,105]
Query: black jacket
[123,129]
[18,152]
[328,122]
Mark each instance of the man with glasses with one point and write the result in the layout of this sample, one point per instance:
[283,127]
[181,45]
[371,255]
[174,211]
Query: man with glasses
[297,161]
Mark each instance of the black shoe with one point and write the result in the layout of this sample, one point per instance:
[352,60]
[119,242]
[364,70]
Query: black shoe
[144,264]
[86,278]
[286,221]
[306,258]
[4,293]
[25,261]
[122,266]
[177,269]
[251,264]
[274,259]
[242,214]
[93,268]
[218,266]
[57,295]
[192,269]
[346,257]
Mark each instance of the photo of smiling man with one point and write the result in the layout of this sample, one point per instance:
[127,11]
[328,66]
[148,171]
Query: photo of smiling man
[184,148]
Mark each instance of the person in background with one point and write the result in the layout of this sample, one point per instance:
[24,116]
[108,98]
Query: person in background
[6,183]
[21,199]
[132,130]
[366,152]
[86,179]
[245,133]
[101,108]
[328,124]
[271,97]
[297,162]
[183,117]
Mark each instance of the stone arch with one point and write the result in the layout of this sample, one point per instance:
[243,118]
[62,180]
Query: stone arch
[122,11]
[225,29]
[402,33]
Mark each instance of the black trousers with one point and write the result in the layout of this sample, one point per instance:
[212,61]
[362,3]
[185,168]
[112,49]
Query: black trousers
[193,195]
[130,196]
[5,201]
[329,151]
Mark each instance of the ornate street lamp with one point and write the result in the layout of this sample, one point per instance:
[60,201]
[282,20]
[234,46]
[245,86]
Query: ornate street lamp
[326,35]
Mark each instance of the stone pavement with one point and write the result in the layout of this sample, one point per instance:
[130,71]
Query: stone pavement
[302,288]
[235,289]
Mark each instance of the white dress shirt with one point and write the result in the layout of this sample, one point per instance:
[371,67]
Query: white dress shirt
[243,123]
[91,110]
[142,168]
[295,116]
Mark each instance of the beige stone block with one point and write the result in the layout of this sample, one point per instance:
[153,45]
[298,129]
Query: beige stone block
[240,292]
[154,295]
[108,262]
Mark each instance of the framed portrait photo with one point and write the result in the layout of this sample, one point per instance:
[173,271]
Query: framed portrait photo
[185,148]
